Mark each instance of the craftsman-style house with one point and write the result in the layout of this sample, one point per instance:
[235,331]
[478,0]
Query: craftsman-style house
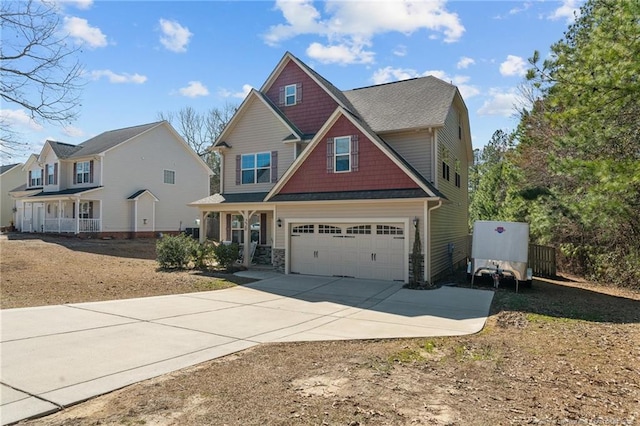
[336,182]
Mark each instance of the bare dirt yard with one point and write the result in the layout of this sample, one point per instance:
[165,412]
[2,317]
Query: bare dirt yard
[564,352]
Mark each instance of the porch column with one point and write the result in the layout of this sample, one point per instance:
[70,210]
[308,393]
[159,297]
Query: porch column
[77,209]
[59,216]
[246,216]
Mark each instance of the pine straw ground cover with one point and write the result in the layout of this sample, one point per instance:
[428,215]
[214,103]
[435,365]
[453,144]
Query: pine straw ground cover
[564,352]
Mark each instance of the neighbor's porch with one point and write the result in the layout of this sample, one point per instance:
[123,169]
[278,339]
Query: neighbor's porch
[62,216]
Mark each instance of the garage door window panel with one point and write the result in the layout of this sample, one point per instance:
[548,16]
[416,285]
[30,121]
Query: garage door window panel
[329,229]
[303,229]
[388,230]
[359,230]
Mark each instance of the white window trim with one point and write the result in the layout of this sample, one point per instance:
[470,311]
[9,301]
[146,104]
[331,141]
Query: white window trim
[255,168]
[335,154]
[50,176]
[34,179]
[295,95]
[164,176]
[80,175]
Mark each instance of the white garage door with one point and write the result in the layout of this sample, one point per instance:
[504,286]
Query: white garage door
[373,251]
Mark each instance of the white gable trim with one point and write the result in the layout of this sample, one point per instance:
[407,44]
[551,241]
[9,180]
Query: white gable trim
[253,94]
[320,136]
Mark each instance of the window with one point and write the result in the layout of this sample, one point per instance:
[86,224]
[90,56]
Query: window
[237,229]
[388,230]
[170,177]
[303,229]
[457,170]
[290,93]
[360,229]
[83,172]
[342,154]
[445,164]
[256,168]
[35,177]
[50,174]
[329,229]
[86,210]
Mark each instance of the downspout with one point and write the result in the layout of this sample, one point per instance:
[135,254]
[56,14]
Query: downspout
[427,225]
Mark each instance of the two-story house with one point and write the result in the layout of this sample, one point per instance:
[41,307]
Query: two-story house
[337,182]
[11,176]
[123,183]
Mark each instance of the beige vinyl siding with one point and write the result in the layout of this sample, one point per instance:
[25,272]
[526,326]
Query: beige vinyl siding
[259,130]
[415,147]
[140,164]
[450,222]
[10,180]
[355,210]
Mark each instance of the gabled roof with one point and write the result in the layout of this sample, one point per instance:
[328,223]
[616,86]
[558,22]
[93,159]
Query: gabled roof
[63,150]
[408,104]
[245,197]
[110,139]
[296,134]
[425,185]
[136,195]
[4,169]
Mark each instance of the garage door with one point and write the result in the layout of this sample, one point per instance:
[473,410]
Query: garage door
[369,250]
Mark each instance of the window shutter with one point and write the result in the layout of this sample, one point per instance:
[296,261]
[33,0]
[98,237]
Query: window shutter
[299,93]
[29,183]
[281,97]
[330,155]
[75,173]
[274,166]
[354,153]
[73,214]
[45,175]
[238,169]
[55,174]
[91,171]
[263,228]
[228,227]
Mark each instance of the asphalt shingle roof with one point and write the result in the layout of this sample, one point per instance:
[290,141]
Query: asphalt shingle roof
[63,150]
[110,139]
[8,167]
[408,104]
[353,195]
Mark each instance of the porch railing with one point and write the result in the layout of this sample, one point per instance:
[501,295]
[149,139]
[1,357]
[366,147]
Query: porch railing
[66,225]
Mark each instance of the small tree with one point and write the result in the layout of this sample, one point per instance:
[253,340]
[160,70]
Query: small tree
[416,258]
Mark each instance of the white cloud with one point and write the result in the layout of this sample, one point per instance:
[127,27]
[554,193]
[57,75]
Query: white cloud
[175,37]
[502,103]
[82,32]
[516,10]
[194,89]
[514,65]
[246,88]
[19,118]
[80,4]
[400,50]
[73,132]
[118,78]
[350,26]
[340,54]
[568,11]
[389,74]
[464,62]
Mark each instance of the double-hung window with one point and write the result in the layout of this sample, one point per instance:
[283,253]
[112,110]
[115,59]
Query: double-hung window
[83,172]
[50,174]
[290,95]
[35,177]
[342,154]
[256,168]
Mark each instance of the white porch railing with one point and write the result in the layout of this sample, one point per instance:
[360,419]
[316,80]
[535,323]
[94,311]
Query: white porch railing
[66,225]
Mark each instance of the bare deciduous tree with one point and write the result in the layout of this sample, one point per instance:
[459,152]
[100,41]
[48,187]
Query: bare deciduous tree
[38,69]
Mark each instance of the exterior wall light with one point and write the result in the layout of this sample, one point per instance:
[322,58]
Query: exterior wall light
[279,223]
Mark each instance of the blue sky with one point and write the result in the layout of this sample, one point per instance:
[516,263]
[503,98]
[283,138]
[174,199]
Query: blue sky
[142,58]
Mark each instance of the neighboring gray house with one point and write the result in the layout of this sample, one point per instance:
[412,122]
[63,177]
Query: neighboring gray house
[11,177]
[123,183]
[333,182]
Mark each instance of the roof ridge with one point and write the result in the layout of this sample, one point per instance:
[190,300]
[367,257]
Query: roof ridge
[400,81]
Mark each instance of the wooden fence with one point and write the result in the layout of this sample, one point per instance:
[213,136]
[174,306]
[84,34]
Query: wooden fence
[542,260]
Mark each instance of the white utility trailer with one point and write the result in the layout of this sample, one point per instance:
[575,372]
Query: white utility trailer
[500,249]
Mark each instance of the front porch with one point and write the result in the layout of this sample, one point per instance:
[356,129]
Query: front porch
[62,216]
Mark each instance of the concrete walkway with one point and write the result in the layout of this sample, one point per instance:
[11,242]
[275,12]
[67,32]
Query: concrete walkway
[55,356]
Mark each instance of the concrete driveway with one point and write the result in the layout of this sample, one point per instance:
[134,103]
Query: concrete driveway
[55,356]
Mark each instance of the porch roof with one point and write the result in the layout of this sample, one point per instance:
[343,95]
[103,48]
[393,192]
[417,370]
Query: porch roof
[249,197]
[353,195]
[64,192]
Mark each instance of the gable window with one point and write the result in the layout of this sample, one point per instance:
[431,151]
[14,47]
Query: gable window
[82,172]
[170,177]
[457,171]
[35,177]
[50,174]
[342,154]
[256,168]
[290,95]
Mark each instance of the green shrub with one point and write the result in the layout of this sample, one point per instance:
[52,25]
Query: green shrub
[226,255]
[175,252]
